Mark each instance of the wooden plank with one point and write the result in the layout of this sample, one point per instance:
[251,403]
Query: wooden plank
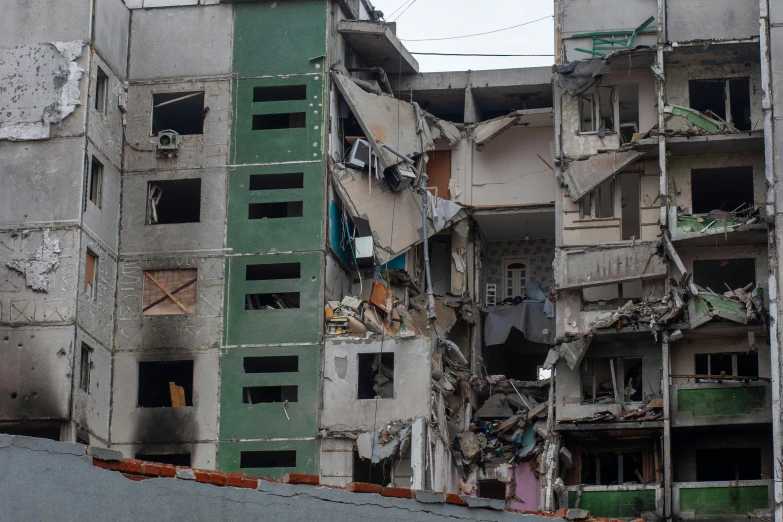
[166,291]
[166,297]
[177,395]
[439,172]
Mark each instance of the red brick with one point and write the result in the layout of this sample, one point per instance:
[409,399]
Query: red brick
[561,512]
[300,478]
[397,492]
[201,475]
[151,469]
[100,463]
[167,470]
[234,479]
[453,498]
[133,466]
[134,477]
[217,478]
[363,487]
[251,483]
[117,465]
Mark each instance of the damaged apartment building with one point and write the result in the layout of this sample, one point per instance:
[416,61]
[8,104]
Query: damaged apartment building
[249,235]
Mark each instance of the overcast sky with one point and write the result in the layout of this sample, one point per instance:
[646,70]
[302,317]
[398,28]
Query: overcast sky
[446,18]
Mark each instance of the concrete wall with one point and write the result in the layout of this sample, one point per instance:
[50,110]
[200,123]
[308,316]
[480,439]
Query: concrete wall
[112,32]
[711,20]
[28,22]
[412,368]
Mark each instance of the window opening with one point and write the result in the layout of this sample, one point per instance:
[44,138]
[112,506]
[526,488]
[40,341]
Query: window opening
[376,376]
[492,489]
[286,209]
[160,383]
[597,111]
[364,470]
[271,364]
[34,429]
[271,271]
[278,301]
[267,459]
[729,364]
[600,387]
[724,99]
[285,120]
[628,96]
[277,181]
[279,93]
[717,274]
[726,188]
[101,91]
[587,113]
[174,201]
[262,394]
[515,271]
[96,181]
[604,202]
[170,291]
[586,206]
[85,368]
[630,201]
[609,468]
[728,464]
[182,112]
[91,274]
[175,459]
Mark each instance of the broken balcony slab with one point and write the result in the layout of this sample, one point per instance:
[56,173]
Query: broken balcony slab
[600,265]
[378,46]
[697,144]
[750,226]
[385,120]
[583,176]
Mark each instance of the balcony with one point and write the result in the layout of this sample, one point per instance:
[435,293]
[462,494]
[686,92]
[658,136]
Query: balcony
[730,230]
[710,403]
[693,500]
[626,501]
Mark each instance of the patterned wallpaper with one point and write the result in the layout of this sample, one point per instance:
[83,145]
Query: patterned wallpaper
[540,251]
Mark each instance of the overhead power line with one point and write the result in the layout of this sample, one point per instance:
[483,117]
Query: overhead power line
[473,54]
[476,34]
[398,8]
[403,11]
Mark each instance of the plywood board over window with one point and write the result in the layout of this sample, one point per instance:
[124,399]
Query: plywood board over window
[170,292]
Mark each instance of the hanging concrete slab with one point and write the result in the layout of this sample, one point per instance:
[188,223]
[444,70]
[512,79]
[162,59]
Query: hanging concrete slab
[585,175]
[378,46]
[384,120]
[596,266]
[489,130]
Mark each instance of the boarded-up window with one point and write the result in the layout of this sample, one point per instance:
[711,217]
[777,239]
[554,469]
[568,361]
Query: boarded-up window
[168,292]
[90,273]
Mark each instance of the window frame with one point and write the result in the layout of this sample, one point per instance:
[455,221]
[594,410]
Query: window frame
[90,287]
[95,185]
[595,100]
[510,260]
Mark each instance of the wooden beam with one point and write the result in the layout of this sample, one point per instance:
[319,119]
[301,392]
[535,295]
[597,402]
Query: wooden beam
[165,290]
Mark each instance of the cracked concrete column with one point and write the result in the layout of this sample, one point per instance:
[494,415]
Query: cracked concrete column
[472,110]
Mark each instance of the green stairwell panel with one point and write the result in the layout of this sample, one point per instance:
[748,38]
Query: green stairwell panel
[724,501]
[272,458]
[706,402]
[616,504]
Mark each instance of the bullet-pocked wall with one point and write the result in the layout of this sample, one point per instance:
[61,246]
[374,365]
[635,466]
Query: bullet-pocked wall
[275,239]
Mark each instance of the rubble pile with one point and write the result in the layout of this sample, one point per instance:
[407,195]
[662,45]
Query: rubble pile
[652,412]
[383,314]
[718,219]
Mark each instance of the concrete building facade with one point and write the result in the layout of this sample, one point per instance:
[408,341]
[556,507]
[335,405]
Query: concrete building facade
[252,236]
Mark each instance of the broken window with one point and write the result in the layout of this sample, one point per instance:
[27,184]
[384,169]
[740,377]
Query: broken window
[175,459]
[277,181]
[597,111]
[85,368]
[609,380]
[101,91]
[725,188]
[165,384]
[365,470]
[630,201]
[376,376]
[492,489]
[728,464]
[729,364]
[272,271]
[278,301]
[271,364]
[286,120]
[609,468]
[279,93]
[267,459]
[91,274]
[182,112]
[515,270]
[174,201]
[720,275]
[724,99]
[284,209]
[96,181]
[169,292]
[261,394]
[587,113]
[600,202]
[628,101]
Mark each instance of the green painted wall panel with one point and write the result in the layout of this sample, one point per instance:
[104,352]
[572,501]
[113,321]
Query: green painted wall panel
[618,504]
[276,145]
[705,402]
[229,457]
[262,421]
[284,234]
[280,37]
[301,324]
[724,501]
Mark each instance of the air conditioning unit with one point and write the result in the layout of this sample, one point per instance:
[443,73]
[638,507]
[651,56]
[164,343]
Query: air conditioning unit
[167,144]
[359,156]
[399,177]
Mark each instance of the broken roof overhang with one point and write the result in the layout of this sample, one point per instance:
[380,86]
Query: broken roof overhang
[578,76]
[378,46]
[487,131]
[582,176]
[385,120]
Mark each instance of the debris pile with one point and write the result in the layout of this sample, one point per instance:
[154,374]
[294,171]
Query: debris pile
[383,314]
[652,412]
[719,221]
